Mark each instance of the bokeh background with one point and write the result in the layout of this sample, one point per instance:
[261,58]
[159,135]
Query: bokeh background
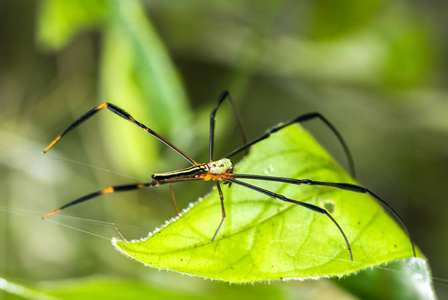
[377,69]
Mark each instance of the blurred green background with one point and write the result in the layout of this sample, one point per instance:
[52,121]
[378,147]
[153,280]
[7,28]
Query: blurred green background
[375,68]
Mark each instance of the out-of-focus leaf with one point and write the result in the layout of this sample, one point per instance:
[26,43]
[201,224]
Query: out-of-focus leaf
[60,20]
[98,288]
[138,75]
[10,290]
[263,238]
[333,19]
[405,279]
[102,288]
[409,56]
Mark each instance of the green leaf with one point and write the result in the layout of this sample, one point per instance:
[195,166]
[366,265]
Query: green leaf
[11,290]
[407,279]
[409,53]
[264,238]
[99,288]
[96,288]
[334,19]
[104,288]
[60,20]
[138,75]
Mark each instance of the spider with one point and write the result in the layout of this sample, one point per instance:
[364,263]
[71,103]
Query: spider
[221,171]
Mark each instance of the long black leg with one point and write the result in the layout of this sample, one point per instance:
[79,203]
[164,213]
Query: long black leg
[119,188]
[224,95]
[126,116]
[221,196]
[306,205]
[299,119]
[342,186]
[112,189]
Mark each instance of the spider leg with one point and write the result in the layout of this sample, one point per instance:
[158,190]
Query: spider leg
[221,196]
[120,112]
[342,186]
[299,119]
[112,189]
[306,205]
[224,95]
[119,188]
[174,198]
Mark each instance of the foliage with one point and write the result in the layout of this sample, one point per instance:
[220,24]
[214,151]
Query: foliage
[375,68]
[265,239]
[408,279]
